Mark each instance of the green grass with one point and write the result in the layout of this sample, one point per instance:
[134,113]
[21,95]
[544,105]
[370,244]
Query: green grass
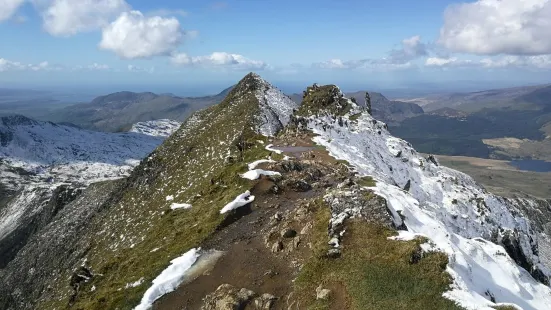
[191,166]
[375,272]
[366,181]
[323,99]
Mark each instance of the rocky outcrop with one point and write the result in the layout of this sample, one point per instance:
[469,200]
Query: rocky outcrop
[228,297]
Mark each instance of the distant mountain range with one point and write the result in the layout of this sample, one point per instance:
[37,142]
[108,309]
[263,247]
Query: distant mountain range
[119,111]
[495,98]
[483,124]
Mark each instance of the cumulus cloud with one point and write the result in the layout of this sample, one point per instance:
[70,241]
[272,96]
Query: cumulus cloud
[132,35]
[412,48]
[69,17]
[490,27]
[8,8]
[219,59]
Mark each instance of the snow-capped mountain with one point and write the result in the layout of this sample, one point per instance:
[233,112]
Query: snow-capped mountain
[59,153]
[479,231]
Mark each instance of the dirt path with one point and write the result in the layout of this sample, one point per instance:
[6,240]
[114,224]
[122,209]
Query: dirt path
[249,261]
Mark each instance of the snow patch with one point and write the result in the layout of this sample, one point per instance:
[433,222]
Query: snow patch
[270,148]
[175,206]
[238,202]
[255,174]
[157,128]
[169,198]
[169,279]
[134,284]
[404,235]
[254,164]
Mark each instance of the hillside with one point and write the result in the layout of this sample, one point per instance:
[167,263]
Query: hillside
[118,111]
[476,101]
[45,165]
[258,202]
[481,124]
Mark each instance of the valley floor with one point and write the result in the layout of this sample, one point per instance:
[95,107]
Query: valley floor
[499,177]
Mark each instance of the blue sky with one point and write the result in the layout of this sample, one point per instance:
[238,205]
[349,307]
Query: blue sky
[203,46]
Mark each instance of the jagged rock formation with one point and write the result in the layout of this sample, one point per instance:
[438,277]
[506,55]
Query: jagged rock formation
[313,229]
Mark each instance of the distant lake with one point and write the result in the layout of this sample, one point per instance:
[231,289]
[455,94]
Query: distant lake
[532,165]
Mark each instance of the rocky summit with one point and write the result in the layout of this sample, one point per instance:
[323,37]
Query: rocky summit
[262,203]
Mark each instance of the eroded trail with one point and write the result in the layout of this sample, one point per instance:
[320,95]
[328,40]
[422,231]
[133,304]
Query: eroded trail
[267,241]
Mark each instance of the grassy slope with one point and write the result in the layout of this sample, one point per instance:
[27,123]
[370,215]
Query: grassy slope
[190,166]
[373,272]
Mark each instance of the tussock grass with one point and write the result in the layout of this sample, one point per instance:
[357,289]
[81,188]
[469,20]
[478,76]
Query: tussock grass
[376,272]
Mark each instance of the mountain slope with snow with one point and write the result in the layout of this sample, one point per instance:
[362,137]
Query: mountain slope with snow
[115,244]
[480,232]
[45,165]
[68,154]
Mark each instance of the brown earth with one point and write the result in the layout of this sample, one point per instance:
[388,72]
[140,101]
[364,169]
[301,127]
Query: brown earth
[265,243]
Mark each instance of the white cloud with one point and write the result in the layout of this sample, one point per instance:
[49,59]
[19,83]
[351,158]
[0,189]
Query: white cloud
[490,27]
[8,65]
[133,68]
[519,62]
[383,64]
[219,59]
[69,17]
[132,35]
[412,48]
[449,62]
[8,8]
[529,62]
[93,67]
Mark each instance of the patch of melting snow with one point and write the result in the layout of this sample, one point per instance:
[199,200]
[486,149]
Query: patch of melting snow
[175,206]
[256,173]
[254,164]
[169,279]
[405,235]
[135,284]
[270,148]
[169,198]
[238,202]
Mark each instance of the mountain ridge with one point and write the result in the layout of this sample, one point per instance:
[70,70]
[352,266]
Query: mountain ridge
[327,174]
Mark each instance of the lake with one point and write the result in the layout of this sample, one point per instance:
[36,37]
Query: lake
[531,165]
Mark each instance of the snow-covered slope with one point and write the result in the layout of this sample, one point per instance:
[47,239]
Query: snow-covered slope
[58,153]
[156,128]
[275,106]
[462,219]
